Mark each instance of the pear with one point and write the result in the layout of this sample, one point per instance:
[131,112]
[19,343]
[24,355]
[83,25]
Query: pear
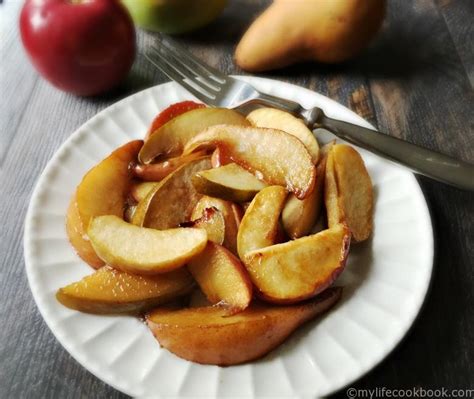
[320,30]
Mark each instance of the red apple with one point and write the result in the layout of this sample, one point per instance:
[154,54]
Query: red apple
[81,46]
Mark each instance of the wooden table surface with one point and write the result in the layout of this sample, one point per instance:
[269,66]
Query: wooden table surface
[416,82]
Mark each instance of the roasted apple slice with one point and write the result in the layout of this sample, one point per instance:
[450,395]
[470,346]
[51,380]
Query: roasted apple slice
[299,216]
[277,157]
[299,269]
[277,119]
[230,182]
[213,222]
[110,291]
[259,226]
[208,335]
[348,192]
[171,138]
[232,214]
[102,191]
[172,201]
[140,190]
[222,277]
[144,251]
[334,210]
[158,171]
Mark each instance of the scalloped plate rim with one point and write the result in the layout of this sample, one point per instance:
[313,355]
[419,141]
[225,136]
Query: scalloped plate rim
[103,374]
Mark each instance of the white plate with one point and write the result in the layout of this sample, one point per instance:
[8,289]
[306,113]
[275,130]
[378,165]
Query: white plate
[385,281]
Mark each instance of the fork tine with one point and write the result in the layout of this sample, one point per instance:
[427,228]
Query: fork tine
[169,71]
[183,70]
[183,67]
[203,68]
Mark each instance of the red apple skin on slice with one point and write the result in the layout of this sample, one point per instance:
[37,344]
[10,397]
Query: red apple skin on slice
[171,112]
[207,335]
[299,269]
[155,172]
[222,277]
[171,138]
[276,157]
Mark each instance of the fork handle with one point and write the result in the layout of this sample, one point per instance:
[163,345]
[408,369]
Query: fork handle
[421,160]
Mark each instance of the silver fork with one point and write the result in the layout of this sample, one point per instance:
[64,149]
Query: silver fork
[218,90]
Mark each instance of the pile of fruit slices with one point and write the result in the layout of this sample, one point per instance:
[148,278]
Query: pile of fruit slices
[210,227]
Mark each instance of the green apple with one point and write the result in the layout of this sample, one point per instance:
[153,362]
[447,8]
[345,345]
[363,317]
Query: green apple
[174,16]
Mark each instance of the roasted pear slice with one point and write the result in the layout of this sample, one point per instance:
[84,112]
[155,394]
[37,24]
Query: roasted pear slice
[171,138]
[232,214]
[277,157]
[208,335]
[172,201]
[110,291]
[212,221]
[299,216]
[140,190]
[259,226]
[299,269]
[277,119]
[102,191]
[348,190]
[230,182]
[144,251]
[158,171]
[78,237]
[222,277]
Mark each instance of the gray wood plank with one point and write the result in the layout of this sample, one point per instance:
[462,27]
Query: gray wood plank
[458,16]
[16,78]
[423,94]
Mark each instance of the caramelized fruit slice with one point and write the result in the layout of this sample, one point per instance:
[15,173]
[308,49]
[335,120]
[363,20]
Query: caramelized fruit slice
[299,269]
[280,158]
[78,237]
[349,194]
[171,138]
[230,182]
[171,112]
[222,277]
[158,171]
[300,216]
[208,335]
[232,216]
[172,201]
[259,226]
[277,119]
[144,251]
[102,191]
[140,190]
[109,291]
[213,222]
